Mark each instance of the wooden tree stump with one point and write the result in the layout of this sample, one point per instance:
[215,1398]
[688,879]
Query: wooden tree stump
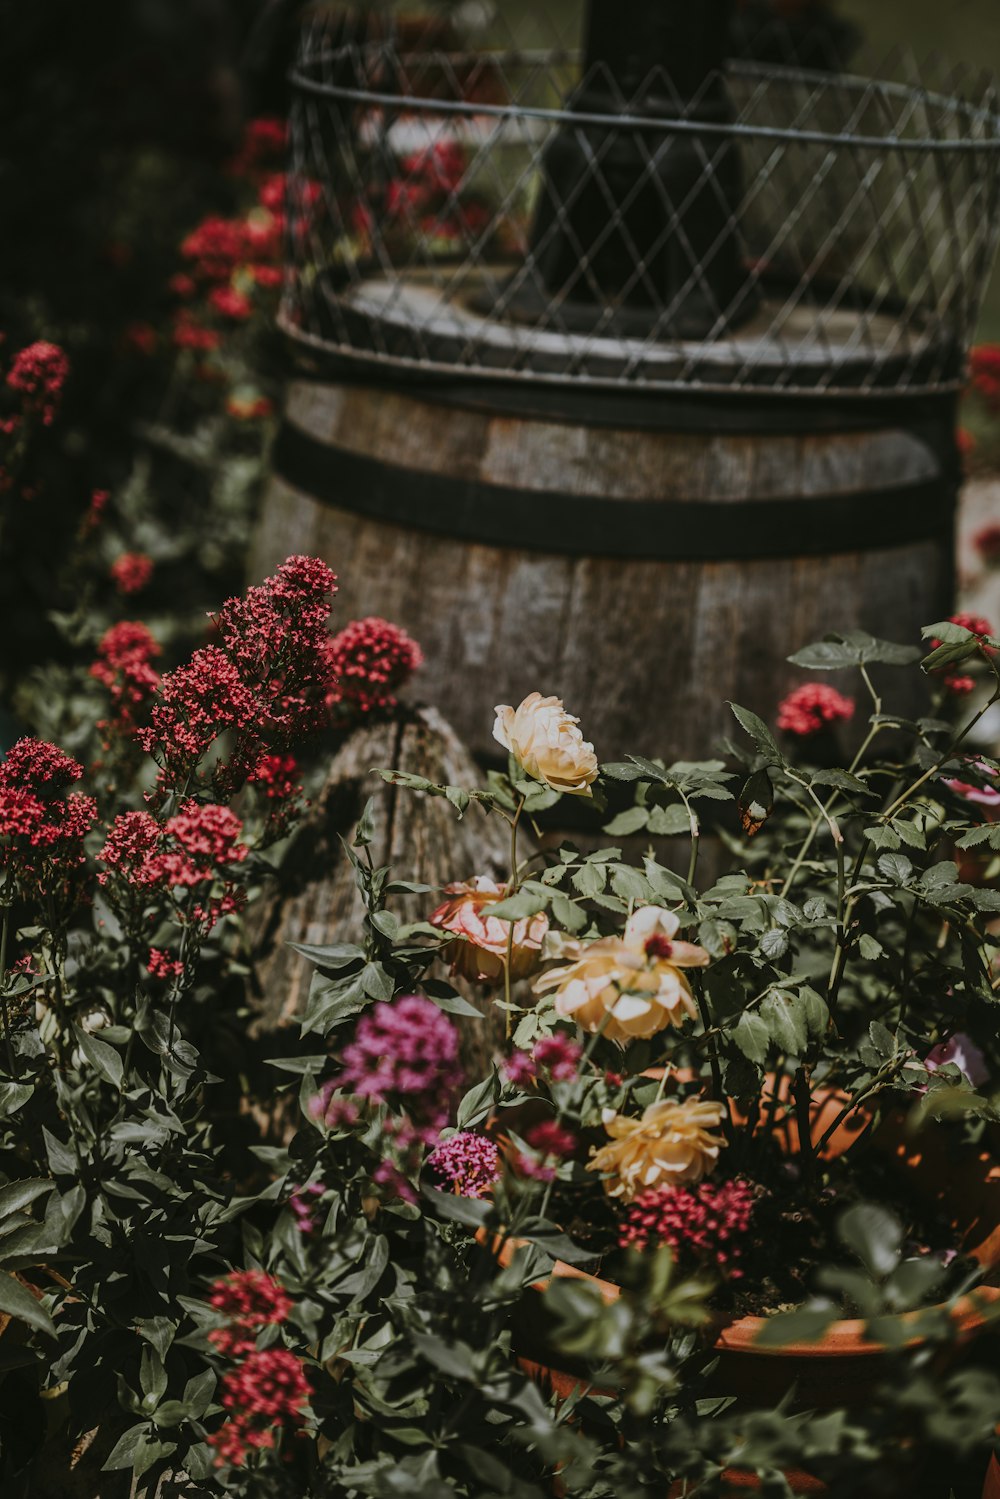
[317,901]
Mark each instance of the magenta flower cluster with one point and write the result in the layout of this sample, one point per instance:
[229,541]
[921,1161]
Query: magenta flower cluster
[404,1053]
[468,1163]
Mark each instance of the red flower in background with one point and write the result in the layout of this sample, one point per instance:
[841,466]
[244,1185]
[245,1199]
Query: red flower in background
[124,667]
[704,1225]
[38,374]
[371,660]
[42,830]
[131,572]
[812,707]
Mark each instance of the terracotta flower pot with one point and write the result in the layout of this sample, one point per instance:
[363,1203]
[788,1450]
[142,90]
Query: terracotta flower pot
[841,1367]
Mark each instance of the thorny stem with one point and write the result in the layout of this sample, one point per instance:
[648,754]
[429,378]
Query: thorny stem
[511,889]
[8,1043]
[872,734]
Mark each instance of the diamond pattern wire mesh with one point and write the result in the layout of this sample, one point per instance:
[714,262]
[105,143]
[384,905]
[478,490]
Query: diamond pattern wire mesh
[866,215]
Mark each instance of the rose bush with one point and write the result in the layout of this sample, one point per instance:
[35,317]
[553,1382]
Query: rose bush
[341,1313]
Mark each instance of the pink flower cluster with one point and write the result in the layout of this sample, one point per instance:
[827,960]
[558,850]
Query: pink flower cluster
[38,374]
[160,965]
[558,1055]
[550,1142]
[303,1203]
[265,1393]
[467,1162]
[404,1053]
[705,1225]
[812,707]
[267,1389]
[42,830]
[131,572]
[987,543]
[124,666]
[267,684]
[371,660]
[196,850]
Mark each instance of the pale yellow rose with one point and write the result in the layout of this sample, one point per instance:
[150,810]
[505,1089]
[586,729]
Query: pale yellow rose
[483,952]
[631,987]
[670,1145]
[547,744]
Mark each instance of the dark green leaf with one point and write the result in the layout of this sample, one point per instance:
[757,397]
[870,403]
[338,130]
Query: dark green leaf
[18,1302]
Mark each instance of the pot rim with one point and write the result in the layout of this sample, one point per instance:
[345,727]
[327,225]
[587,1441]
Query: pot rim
[844,1338]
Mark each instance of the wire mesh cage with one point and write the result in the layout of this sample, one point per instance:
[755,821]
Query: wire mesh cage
[521,196]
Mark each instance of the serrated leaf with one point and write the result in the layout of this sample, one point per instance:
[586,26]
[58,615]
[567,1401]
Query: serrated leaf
[629,885]
[895,867]
[629,821]
[669,822]
[589,880]
[759,733]
[785,1018]
[752,1036]
[835,652]
[774,944]
[525,904]
[869,948]
[882,837]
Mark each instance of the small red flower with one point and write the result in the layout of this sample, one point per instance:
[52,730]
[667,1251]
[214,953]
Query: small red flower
[812,707]
[229,303]
[371,659]
[131,572]
[38,374]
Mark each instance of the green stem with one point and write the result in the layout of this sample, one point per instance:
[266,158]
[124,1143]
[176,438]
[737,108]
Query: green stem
[511,890]
[922,780]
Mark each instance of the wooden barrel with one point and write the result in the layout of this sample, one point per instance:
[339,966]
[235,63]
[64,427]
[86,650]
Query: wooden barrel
[643,560]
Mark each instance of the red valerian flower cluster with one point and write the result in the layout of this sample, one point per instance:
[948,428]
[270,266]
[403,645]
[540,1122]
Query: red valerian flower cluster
[266,685]
[558,1055]
[124,666]
[812,707]
[265,1393]
[404,1053]
[468,1163]
[550,1142]
[160,965]
[249,1300]
[277,779]
[705,1225]
[196,850]
[371,660]
[41,829]
[37,374]
[131,572]
[267,1389]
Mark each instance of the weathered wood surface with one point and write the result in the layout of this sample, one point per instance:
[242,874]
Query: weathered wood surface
[646,652]
[418,836]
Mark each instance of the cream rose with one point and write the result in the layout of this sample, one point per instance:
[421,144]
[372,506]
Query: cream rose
[671,1144]
[480,948]
[547,744]
[630,987]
